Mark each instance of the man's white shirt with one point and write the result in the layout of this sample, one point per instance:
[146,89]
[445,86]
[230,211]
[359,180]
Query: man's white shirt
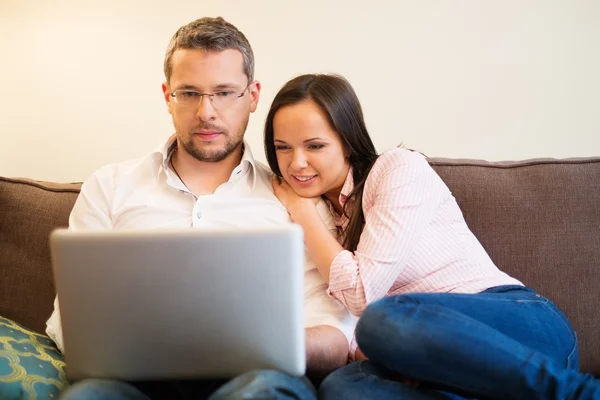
[146,193]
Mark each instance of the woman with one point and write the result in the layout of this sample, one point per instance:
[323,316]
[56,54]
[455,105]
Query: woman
[435,309]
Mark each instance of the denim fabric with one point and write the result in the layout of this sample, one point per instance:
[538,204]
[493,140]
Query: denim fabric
[263,385]
[266,385]
[507,342]
[101,389]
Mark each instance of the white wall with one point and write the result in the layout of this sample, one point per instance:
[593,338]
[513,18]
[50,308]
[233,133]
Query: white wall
[513,79]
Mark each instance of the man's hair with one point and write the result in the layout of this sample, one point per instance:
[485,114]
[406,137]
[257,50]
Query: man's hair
[210,34]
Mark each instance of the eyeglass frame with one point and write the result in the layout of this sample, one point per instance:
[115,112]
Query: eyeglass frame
[210,95]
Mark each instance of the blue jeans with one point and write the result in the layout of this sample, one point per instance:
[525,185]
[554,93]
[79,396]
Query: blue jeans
[263,385]
[507,342]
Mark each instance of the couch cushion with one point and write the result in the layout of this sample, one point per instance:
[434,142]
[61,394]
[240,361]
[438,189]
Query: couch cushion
[29,210]
[30,365]
[540,222]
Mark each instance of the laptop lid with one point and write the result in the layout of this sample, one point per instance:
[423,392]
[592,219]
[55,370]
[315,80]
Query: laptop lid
[157,304]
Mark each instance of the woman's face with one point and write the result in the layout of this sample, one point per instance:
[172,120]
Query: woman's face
[310,153]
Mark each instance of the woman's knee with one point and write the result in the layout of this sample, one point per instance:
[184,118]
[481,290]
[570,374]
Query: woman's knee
[385,319]
[367,380]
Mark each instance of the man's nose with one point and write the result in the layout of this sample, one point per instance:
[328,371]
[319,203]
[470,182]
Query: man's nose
[206,111]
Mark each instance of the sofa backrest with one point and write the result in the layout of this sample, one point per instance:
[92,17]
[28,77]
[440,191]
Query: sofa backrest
[539,220]
[29,211]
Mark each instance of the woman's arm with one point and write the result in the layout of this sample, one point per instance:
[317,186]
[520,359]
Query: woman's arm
[322,246]
[400,200]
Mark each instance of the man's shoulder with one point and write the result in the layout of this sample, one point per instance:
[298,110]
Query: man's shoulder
[263,170]
[263,174]
[128,169]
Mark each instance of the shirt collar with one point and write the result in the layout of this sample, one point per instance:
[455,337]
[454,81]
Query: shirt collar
[347,188]
[341,220]
[248,163]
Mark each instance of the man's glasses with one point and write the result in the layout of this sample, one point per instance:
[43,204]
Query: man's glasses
[220,100]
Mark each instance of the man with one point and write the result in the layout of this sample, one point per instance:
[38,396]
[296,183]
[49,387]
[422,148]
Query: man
[202,177]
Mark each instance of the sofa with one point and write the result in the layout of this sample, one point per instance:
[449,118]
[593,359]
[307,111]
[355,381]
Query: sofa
[538,219]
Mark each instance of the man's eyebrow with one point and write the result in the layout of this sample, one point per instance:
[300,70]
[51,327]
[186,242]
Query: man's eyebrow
[187,87]
[220,86]
[226,86]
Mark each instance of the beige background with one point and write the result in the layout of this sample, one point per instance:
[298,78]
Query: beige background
[498,80]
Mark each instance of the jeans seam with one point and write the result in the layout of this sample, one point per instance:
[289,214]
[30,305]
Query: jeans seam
[573,350]
[572,332]
[541,300]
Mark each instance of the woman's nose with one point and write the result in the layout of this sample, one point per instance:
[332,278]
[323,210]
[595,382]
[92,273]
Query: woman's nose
[299,161]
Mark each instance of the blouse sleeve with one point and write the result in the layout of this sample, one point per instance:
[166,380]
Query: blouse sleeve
[399,202]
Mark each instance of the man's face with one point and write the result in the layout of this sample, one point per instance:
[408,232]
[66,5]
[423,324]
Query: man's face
[210,130]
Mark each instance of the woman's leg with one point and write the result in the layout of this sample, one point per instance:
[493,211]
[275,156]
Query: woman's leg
[365,380]
[506,343]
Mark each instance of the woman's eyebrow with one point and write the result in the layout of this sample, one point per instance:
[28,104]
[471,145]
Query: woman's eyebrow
[313,139]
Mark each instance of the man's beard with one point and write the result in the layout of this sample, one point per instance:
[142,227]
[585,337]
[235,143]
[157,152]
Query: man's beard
[232,142]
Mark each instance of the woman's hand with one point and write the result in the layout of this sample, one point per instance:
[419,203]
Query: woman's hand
[359,355]
[322,246]
[289,198]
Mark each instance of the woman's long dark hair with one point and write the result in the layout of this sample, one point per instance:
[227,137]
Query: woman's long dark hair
[336,97]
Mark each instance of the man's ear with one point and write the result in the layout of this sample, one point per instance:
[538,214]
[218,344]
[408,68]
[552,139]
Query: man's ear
[167,96]
[254,91]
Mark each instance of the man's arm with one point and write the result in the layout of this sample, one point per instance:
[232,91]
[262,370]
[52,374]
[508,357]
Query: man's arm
[91,211]
[326,350]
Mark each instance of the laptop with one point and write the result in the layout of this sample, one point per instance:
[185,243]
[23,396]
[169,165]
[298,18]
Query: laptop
[180,304]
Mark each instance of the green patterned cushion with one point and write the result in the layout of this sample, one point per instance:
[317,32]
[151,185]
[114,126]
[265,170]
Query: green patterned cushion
[31,367]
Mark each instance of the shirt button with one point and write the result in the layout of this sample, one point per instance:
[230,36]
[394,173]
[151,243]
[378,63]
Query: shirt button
[198,215]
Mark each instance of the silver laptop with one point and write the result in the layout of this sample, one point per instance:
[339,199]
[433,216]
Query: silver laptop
[143,305]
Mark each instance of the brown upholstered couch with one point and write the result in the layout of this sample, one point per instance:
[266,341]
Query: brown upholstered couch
[538,219]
